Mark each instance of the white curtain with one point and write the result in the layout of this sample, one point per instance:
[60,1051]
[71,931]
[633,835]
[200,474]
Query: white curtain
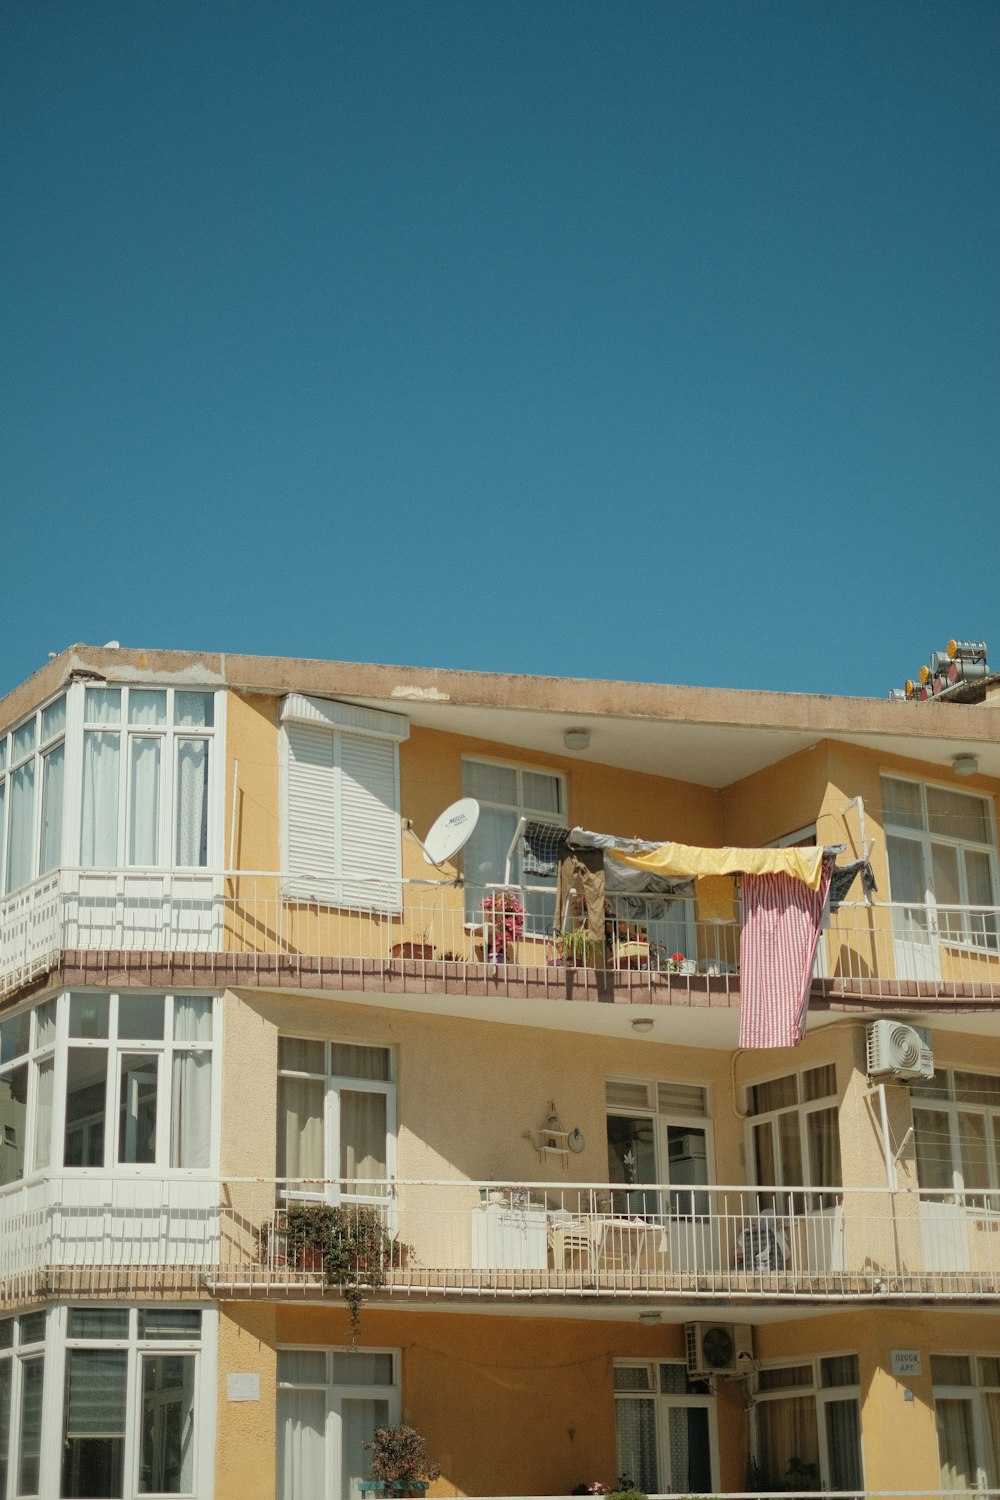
[359,1418]
[956,1443]
[786,1429]
[144,803]
[192,1018]
[843,1444]
[53,766]
[300,1128]
[21,830]
[362,1137]
[44,1082]
[635,1426]
[192,802]
[99,843]
[301,1444]
[191,1109]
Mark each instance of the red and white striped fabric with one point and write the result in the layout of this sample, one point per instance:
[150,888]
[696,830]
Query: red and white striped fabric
[781,926]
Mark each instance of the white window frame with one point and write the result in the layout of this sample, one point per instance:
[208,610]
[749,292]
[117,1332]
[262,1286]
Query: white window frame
[335,1394]
[926,1098]
[973,1394]
[957,930]
[769,1193]
[12,763]
[337,880]
[53,1046]
[56,1346]
[663,1403]
[519,810]
[336,1084]
[822,1396]
[686,1198]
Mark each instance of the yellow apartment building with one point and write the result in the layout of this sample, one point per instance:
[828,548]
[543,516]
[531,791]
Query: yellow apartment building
[305,1132]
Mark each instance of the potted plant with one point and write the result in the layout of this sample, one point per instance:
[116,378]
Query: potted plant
[581,950]
[421,948]
[347,1243]
[400,1462]
[504,917]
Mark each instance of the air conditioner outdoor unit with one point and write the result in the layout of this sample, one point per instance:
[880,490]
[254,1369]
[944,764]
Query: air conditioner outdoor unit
[718,1348]
[895,1050]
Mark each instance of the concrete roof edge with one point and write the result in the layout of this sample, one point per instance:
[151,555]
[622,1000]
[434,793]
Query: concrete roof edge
[736,708]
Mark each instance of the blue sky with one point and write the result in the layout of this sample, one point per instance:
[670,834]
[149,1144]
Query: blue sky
[645,341]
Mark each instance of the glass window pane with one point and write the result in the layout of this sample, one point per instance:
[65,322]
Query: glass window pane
[13,1119]
[45,1023]
[86,1084]
[169,1323]
[689,1449]
[787,1445]
[21,827]
[541,794]
[635,1432]
[191,1109]
[362,1137]
[956,815]
[627,1095]
[951,1369]
[88,1016]
[144,801]
[901,803]
[3,836]
[819,1083]
[489,783]
[301,1457]
[774,1093]
[976,1088]
[823,1140]
[98,1323]
[53,766]
[632,1378]
[137,1108]
[102,706]
[681,1099]
[843,1444]
[147,706]
[32,1328]
[53,719]
[944,868]
[41,1149]
[300,1128]
[785,1377]
[99,827]
[194,710]
[974,1150]
[94,1425]
[191,833]
[6,1370]
[358,1422]
[23,740]
[192,1018]
[32,1380]
[166,1452]
[632,1159]
[15,1036]
[302,1366]
[839,1369]
[296,1055]
[361,1368]
[906,874]
[932,1144]
[790,1149]
[956,1444]
[140,1017]
[3,752]
[359,1062]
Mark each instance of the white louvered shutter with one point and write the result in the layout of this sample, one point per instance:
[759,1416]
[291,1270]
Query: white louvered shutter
[312,854]
[369,821]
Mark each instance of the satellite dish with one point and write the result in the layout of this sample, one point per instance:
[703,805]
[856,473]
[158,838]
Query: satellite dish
[449,832]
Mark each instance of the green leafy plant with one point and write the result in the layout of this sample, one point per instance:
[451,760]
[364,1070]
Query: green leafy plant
[399,1458]
[582,950]
[350,1244]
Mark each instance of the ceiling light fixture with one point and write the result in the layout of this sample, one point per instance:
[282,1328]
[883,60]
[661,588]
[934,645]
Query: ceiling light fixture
[642,1023]
[576,739]
[650,1317]
[965,765]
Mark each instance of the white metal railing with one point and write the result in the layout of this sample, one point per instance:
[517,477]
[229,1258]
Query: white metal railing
[592,1240]
[261,913]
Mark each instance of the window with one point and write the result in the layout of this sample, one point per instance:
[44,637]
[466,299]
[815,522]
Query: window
[795,1137]
[967,1411]
[657,1133]
[506,794]
[336,1119]
[956,1129]
[146,788]
[330,1401]
[808,1425]
[665,1429]
[32,770]
[114,1079]
[131,1402]
[341,795]
[941,846]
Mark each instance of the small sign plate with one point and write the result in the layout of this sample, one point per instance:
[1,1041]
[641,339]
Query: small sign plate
[906,1362]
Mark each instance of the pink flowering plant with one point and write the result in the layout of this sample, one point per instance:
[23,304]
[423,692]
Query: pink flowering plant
[505,919]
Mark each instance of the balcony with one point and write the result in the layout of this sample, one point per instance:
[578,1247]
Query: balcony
[81,1234]
[113,926]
